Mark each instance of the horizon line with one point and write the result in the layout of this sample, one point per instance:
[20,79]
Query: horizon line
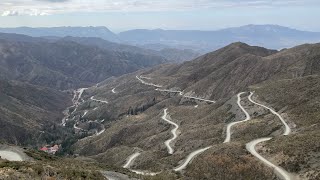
[152,29]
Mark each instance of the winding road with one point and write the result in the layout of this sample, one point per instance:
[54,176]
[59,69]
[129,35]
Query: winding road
[172,91]
[251,148]
[168,90]
[77,95]
[85,112]
[102,101]
[98,133]
[130,161]
[145,173]
[173,131]
[75,100]
[146,83]
[201,99]
[114,91]
[287,130]
[76,127]
[251,145]
[229,126]
[190,157]
[144,77]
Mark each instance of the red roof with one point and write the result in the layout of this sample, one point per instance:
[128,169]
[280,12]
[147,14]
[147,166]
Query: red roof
[44,149]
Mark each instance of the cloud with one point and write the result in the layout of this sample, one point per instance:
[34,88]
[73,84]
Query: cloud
[47,7]
[10,13]
[29,12]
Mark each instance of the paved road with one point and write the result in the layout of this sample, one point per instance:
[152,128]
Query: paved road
[145,77]
[146,83]
[229,126]
[168,90]
[251,145]
[113,90]
[287,130]
[173,91]
[100,132]
[251,148]
[145,173]
[96,134]
[10,155]
[201,99]
[102,101]
[85,112]
[76,127]
[131,159]
[186,96]
[173,131]
[190,157]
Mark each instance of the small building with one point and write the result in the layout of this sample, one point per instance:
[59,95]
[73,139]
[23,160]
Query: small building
[54,149]
[50,150]
[44,148]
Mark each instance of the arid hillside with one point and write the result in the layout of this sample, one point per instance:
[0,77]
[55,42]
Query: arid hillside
[241,112]
[27,111]
[192,108]
[65,64]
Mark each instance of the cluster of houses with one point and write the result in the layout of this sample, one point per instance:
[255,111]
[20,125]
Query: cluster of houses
[50,150]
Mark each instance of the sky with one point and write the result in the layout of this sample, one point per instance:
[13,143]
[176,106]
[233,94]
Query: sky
[120,15]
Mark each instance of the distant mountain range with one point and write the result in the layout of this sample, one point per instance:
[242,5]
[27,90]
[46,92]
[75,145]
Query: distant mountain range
[269,36]
[101,32]
[171,54]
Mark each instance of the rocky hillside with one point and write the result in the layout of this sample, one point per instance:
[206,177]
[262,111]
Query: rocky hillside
[203,98]
[26,111]
[233,68]
[209,118]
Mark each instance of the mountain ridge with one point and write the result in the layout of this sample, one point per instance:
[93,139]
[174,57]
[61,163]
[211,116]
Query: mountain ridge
[267,35]
[65,64]
[90,31]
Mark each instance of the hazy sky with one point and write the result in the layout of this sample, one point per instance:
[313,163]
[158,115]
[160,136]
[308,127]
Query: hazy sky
[168,14]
